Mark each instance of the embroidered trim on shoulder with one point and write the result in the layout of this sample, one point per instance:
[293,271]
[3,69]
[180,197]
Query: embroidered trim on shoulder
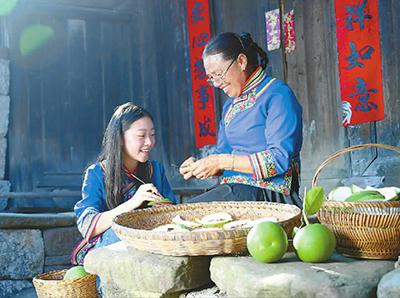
[245,102]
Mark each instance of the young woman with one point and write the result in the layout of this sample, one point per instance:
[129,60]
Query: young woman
[113,184]
[260,133]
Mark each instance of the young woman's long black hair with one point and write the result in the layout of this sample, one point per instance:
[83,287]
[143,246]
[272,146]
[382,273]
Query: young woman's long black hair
[112,153]
[230,45]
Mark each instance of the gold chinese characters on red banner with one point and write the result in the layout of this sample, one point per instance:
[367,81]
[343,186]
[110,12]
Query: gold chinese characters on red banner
[357,27]
[198,17]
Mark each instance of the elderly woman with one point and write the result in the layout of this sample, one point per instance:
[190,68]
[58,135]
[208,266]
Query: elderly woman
[260,133]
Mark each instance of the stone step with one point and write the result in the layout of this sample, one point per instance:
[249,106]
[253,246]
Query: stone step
[36,220]
[127,272]
[339,277]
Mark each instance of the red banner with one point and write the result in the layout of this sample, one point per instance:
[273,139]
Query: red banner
[198,17]
[357,26]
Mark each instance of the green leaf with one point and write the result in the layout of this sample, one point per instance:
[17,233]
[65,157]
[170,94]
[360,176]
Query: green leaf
[313,200]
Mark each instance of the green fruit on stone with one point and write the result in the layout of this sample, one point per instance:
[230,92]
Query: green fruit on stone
[314,243]
[75,272]
[267,242]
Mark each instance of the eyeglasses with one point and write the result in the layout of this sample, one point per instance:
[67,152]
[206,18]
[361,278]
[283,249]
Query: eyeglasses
[220,78]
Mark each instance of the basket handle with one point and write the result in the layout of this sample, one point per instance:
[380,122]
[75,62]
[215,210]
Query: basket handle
[352,148]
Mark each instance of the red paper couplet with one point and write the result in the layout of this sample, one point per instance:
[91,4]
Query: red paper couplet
[198,17]
[357,26]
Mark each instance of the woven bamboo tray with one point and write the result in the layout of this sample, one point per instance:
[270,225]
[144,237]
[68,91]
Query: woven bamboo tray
[366,230]
[51,285]
[135,228]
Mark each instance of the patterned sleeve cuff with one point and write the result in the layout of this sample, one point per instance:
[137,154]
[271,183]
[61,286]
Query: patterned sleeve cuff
[87,226]
[263,165]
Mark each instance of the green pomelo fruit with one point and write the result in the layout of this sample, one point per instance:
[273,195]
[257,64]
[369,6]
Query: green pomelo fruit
[267,242]
[339,194]
[354,188]
[75,272]
[215,219]
[371,188]
[389,193]
[169,228]
[366,196]
[186,224]
[314,243]
[396,189]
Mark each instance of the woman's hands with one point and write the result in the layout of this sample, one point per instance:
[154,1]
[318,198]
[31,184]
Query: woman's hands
[201,169]
[145,192]
[148,192]
[186,168]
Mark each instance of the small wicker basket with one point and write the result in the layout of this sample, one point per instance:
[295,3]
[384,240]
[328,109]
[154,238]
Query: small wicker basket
[51,285]
[366,230]
[135,228]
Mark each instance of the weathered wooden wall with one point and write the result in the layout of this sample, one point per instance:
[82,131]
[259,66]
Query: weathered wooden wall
[313,74]
[109,52]
[64,94]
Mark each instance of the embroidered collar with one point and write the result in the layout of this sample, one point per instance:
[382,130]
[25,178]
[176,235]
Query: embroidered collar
[254,80]
[129,173]
[132,175]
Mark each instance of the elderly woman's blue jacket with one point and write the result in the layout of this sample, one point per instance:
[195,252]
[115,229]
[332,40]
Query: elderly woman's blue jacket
[265,124]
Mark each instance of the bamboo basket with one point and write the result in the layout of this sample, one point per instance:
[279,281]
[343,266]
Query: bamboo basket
[51,285]
[365,230]
[135,228]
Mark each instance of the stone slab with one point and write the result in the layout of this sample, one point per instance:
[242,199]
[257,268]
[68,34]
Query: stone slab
[3,150]
[4,113]
[61,241]
[4,76]
[37,220]
[389,286]
[21,254]
[339,277]
[128,271]
[13,288]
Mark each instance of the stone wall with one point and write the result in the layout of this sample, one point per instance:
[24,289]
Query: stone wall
[31,244]
[4,115]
